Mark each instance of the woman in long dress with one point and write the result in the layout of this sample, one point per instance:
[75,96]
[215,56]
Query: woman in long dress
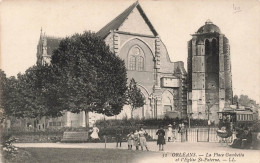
[94,134]
[136,139]
[161,139]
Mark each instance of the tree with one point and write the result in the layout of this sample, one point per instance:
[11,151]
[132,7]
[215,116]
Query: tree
[31,94]
[83,76]
[134,96]
[88,75]
[244,100]
[235,99]
[2,86]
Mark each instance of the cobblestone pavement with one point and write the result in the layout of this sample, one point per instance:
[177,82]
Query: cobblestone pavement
[173,151]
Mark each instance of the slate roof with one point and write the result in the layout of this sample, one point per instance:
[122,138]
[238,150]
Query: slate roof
[52,43]
[118,21]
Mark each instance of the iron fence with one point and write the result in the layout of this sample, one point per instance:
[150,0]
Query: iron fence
[193,135]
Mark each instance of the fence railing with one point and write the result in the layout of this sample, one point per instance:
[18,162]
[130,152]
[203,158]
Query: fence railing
[191,135]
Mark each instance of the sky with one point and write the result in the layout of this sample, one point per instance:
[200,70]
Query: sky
[175,21]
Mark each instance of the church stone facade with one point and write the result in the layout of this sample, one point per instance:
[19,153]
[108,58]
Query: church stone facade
[209,73]
[132,37]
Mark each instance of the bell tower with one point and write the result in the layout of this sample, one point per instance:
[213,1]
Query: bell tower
[209,72]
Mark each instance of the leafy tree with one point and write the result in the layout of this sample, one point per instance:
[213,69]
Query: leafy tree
[134,96]
[83,76]
[244,100]
[2,86]
[88,75]
[235,99]
[32,94]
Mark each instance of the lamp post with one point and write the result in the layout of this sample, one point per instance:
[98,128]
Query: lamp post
[155,110]
[208,111]
[189,116]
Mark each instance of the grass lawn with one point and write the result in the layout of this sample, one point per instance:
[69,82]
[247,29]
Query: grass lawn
[48,155]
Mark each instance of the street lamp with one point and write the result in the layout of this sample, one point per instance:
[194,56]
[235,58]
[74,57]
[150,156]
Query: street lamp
[208,111]
[189,116]
[155,110]
[208,108]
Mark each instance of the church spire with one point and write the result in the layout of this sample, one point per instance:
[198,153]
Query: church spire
[41,32]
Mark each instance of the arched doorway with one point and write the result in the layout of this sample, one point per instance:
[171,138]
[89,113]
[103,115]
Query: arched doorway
[167,102]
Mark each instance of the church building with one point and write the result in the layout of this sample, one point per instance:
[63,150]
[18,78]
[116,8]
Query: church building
[132,37]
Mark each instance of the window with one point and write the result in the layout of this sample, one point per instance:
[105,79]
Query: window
[207,47]
[140,63]
[215,47]
[136,58]
[132,63]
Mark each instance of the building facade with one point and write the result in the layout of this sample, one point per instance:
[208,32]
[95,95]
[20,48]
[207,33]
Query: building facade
[209,73]
[132,37]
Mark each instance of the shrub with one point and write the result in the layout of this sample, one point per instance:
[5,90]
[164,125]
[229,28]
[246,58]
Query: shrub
[256,127]
[151,123]
[9,150]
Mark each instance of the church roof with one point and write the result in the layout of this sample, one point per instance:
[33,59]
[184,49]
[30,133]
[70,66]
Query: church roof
[118,21]
[209,27]
[52,43]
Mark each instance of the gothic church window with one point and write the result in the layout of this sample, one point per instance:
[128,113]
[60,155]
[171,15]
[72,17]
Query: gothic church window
[132,63]
[140,63]
[214,47]
[207,47]
[136,58]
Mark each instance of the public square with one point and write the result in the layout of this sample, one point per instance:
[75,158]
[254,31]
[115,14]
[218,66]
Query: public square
[131,71]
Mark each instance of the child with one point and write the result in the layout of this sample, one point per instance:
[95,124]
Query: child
[119,134]
[136,139]
[169,133]
[130,140]
[142,138]
[94,134]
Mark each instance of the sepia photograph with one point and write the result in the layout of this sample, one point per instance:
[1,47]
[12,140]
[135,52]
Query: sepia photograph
[124,81]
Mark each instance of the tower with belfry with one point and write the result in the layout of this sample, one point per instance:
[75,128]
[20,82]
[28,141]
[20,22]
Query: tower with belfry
[209,73]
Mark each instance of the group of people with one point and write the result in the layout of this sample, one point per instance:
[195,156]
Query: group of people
[171,134]
[243,138]
[137,138]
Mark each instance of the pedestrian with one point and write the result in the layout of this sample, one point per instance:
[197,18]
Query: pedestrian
[119,136]
[174,131]
[179,129]
[169,133]
[130,140]
[161,138]
[94,134]
[142,138]
[182,132]
[136,139]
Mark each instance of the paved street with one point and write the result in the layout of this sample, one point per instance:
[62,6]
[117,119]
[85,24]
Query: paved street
[204,152]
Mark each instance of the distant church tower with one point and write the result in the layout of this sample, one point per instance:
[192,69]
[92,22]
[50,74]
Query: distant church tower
[209,73]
